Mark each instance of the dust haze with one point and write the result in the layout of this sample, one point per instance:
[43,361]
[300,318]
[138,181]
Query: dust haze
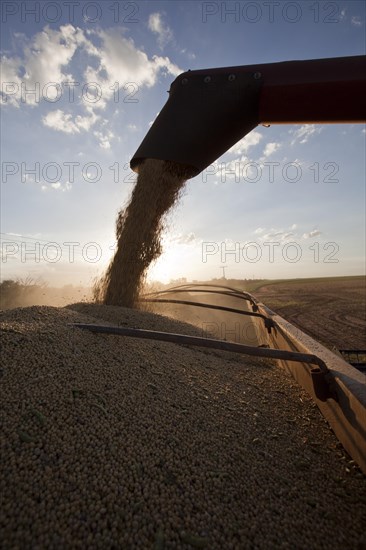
[27,292]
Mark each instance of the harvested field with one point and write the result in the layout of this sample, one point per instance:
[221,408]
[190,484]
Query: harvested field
[111,442]
[332,311]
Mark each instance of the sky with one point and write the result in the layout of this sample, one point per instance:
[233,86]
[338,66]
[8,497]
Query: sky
[82,82]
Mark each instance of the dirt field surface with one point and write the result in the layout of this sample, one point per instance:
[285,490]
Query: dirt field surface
[115,443]
[333,311]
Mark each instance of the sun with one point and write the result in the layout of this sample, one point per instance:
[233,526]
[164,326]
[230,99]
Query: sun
[165,268]
[174,263]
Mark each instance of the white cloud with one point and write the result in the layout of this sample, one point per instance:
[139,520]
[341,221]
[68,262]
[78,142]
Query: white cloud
[29,178]
[117,65]
[49,51]
[161,29]
[234,170]
[190,55]
[132,127]
[45,56]
[242,146]
[64,122]
[303,134]
[188,238]
[57,186]
[86,122]
[104,139]
[271,148]
[312,234]
[276,235]
[164,64]
[284,235]
[123,69]
[10,81]
[58,120]
[356,21]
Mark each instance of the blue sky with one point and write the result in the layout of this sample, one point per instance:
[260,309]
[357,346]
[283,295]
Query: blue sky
[101,75]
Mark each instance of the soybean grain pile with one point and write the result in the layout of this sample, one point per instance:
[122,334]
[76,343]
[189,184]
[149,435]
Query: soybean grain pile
[139,228]
[115,443]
